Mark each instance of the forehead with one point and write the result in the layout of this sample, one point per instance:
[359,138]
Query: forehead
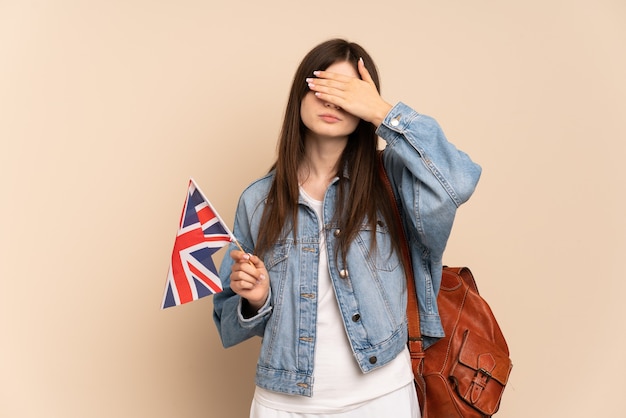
[342,67]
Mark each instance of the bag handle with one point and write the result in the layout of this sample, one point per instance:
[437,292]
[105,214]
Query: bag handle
[415,342]
[413,316]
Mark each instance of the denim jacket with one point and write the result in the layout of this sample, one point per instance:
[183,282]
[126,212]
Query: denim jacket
[431,178]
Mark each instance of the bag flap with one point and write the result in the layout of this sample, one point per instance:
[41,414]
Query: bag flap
[478,353]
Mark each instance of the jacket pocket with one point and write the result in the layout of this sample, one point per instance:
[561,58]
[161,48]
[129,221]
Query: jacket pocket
[381,255]
[279,253]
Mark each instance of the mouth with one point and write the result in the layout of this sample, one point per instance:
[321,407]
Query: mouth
[327,117]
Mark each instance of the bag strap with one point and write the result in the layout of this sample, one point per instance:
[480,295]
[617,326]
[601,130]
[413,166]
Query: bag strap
[415,334]
[466,275]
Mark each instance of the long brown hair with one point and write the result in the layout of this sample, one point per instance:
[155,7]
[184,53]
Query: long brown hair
[365,196]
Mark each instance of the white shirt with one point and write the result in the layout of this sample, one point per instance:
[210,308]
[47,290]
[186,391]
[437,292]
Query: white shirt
[338,383]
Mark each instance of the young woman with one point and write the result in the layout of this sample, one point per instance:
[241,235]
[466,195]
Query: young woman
[321,280]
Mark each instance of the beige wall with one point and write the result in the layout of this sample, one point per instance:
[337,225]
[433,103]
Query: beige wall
[107,108]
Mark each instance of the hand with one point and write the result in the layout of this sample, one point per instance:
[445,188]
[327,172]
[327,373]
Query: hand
[249,279]
[358,97]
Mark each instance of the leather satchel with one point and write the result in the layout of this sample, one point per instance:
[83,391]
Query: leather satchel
[463,375]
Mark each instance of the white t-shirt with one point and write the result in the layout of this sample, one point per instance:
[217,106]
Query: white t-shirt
[338,383]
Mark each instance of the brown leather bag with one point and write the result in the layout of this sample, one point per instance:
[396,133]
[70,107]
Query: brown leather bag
[463,375]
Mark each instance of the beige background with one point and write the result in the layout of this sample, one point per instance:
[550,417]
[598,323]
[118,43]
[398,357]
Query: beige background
[108,107]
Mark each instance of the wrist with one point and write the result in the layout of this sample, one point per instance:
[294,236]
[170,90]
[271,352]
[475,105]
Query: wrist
[381,113]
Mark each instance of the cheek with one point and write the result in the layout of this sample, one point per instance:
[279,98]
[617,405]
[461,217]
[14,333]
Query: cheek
[353,123]
[306,106]
[308,101]
[304,116]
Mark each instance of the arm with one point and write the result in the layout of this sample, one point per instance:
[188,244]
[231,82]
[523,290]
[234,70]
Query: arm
[431,177]
[242,309]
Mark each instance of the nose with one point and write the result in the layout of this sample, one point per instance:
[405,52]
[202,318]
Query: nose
[331,106]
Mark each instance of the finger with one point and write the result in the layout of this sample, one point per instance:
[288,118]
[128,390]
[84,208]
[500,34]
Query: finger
[365,74]
[327,86]
[241,287]
[328,94]
[237,255]
[248,271]
[242,279]
[240,256]
[256,269]
[244,266]
[328,75]
[257,262]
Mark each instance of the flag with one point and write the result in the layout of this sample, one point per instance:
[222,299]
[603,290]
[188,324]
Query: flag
[201,233]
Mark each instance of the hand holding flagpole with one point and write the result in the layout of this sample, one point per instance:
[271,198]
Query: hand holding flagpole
[201,233]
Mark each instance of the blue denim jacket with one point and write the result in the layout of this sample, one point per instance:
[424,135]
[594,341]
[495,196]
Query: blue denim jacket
[431,178]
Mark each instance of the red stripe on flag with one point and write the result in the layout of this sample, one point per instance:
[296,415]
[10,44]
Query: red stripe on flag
[182,242]
[204,278]
[205,214]
[212,238]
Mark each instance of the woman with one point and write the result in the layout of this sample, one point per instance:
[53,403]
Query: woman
[325,288]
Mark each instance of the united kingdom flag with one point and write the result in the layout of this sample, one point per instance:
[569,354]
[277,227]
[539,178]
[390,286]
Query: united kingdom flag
[201,233]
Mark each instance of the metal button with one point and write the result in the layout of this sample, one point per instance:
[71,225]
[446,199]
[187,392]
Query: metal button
[396,120]
[373,360]
[356,317]
[343,273]
[337,232]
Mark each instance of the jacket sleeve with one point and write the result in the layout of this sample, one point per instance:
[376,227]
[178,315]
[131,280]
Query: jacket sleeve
[431,178]
[233,328]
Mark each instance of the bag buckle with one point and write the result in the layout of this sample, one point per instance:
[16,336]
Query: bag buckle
[479,383]
[485,373]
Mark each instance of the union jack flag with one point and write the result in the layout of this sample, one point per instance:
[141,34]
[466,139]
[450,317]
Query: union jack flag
[201,233]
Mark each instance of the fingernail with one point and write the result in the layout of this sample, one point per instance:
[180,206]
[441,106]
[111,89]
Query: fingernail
[246,256]
[262,277]
[361,60]
[316,73]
